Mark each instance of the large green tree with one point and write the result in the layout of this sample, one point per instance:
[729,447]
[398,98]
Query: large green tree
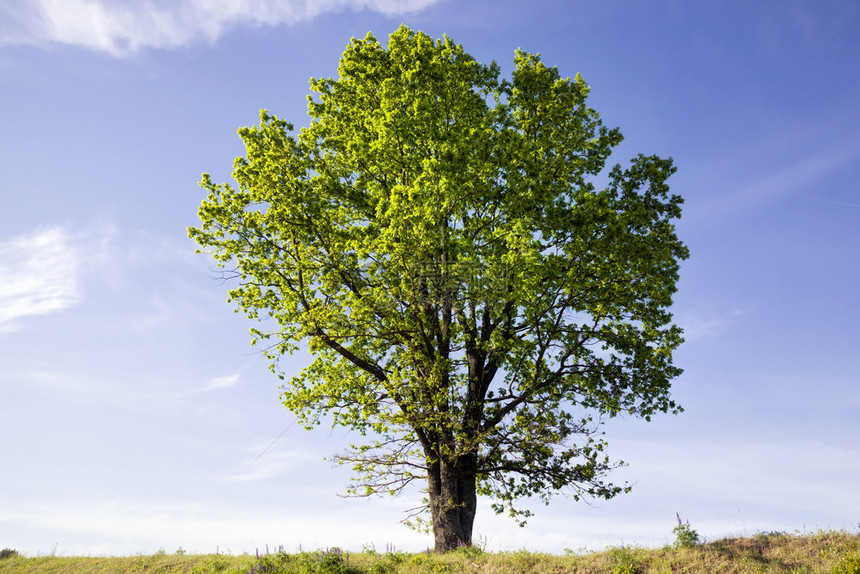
[475,305]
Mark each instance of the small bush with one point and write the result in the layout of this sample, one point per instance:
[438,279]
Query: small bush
[272,563]
[470,552]
[849,564]
[393,555]
[418,559]
[380,568]
[624,561]
[685,536]
[8,553]
[331,561]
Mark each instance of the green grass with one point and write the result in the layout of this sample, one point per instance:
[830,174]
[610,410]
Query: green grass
[824,552]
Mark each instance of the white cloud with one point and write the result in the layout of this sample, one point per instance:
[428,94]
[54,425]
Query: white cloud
[221,382]
[59,380]
[796,178]
[40,275]
[271,465]
[697,326]
[43,271]
[120,27]
[213,384]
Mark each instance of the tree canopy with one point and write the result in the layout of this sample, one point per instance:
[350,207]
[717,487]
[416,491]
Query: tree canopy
[474,303]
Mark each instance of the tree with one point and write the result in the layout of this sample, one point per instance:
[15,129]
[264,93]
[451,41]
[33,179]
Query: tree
[475,306]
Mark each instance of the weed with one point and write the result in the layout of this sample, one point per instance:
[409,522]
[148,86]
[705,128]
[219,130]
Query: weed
[624,561]
[470,552]
[380,568]
[210,564]
[685,536]
[523,560]
[330,561]
[394,556]
[581,551]
[419,559]
[270,563]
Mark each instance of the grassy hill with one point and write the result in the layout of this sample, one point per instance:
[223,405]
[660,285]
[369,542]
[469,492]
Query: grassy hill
[824,552]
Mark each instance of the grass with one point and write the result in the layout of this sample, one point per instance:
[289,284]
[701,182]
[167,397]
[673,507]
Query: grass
[823,552]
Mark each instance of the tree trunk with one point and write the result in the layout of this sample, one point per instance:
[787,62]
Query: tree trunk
[453,501]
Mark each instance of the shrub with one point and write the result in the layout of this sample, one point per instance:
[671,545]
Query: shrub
[8,553]
[331,561]
[685,536]
[470,552]
[271,563]
[849,564]
[380,568]
[624,561]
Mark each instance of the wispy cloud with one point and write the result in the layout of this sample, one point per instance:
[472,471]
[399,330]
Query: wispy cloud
[213,384]
[793,178]
[831,201]
[40,275]
[121,27]
[273,464]
[699,326]
[44,271]
[221,382]
[59,381]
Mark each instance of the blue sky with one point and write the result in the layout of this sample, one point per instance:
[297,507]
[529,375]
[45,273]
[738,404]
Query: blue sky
[134,411]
